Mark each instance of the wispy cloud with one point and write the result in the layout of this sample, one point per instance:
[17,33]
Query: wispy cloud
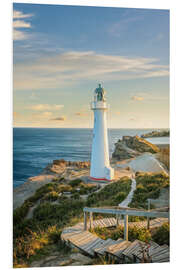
[119,27]
[73,67]
[41,115]
[132,119]
[61,118]
[81,114]
[21,24]
[20,15]
[137,98]
[16,115]
[43,107]
[18,23]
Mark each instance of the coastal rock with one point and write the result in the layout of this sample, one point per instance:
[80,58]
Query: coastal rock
[139,144]
[156,133]
[132,146]
[122,152]
[78,164]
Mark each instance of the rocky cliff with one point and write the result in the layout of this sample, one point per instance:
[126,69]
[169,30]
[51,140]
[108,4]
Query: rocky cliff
[156,133]
[132,146]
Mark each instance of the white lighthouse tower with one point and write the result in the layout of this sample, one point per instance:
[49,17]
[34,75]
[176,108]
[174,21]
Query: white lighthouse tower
[100,166]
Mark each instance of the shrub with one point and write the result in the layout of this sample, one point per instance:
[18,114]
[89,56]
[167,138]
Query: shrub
[20,213]
[75,196]
[161,235]
[134,233]
[51,196]
[75,183]
[106,196]
[120,197]
[149,185]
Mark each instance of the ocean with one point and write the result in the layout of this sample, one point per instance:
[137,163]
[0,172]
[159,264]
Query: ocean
[34,148]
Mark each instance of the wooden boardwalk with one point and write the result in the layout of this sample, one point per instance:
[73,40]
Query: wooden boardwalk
[121,249]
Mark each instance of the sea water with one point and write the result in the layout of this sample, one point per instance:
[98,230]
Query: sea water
[34,148]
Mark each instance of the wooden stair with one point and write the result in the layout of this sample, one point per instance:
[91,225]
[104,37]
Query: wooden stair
[120,249]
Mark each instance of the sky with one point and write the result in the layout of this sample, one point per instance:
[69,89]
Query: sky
[61,53]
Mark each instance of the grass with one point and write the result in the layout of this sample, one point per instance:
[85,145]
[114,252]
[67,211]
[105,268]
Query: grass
[32,237]
[159,235]
[164,156]
[111,194]
[148,185]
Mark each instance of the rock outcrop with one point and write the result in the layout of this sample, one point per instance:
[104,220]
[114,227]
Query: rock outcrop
[132,146]
[156,133]
[77,164]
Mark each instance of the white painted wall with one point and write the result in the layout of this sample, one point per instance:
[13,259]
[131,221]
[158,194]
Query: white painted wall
[100,149]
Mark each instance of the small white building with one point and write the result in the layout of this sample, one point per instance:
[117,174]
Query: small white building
[100,166]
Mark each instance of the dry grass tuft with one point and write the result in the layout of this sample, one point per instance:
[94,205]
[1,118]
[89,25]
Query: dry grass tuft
[164,156]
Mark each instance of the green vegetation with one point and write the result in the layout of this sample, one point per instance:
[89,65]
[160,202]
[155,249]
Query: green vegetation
[159,235]
[75,183]
[32,237]
[164,156]
[112,194]
[148,185]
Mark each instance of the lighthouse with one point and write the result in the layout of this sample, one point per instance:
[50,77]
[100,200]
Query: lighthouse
[100,165]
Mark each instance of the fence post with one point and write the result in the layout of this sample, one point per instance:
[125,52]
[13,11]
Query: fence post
[85,221]
[91,220]
[148,220]
[126,227]
[117,220]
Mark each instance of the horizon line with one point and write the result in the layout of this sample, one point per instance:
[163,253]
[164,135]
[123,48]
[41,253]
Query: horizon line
[92,127]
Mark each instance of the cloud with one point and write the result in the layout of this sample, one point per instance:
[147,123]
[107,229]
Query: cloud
[137,98]
[16,114]
[70,68]
[21,24]
[20,15]
[19,35]
[120,27]
[82,114]
[61,118]
[42,115]
[18,23]
[132,119]
[43,107]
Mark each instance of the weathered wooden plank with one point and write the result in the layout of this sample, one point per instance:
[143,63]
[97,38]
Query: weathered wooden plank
[118,250]
[80,236]
[129,251]
[164,257]
[86,244]
[95,244]
[100,250]
[67,236]
[84,240]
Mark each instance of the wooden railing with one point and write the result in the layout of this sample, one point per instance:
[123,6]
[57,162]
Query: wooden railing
[118,211]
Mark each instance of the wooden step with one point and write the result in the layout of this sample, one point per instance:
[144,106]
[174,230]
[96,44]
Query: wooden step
[101,250]
[161,253]
[117,249]
[128,252]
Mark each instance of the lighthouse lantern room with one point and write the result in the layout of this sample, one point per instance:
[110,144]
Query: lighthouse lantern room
[100,165]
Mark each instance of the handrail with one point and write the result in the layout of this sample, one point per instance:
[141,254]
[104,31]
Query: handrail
[126,211]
